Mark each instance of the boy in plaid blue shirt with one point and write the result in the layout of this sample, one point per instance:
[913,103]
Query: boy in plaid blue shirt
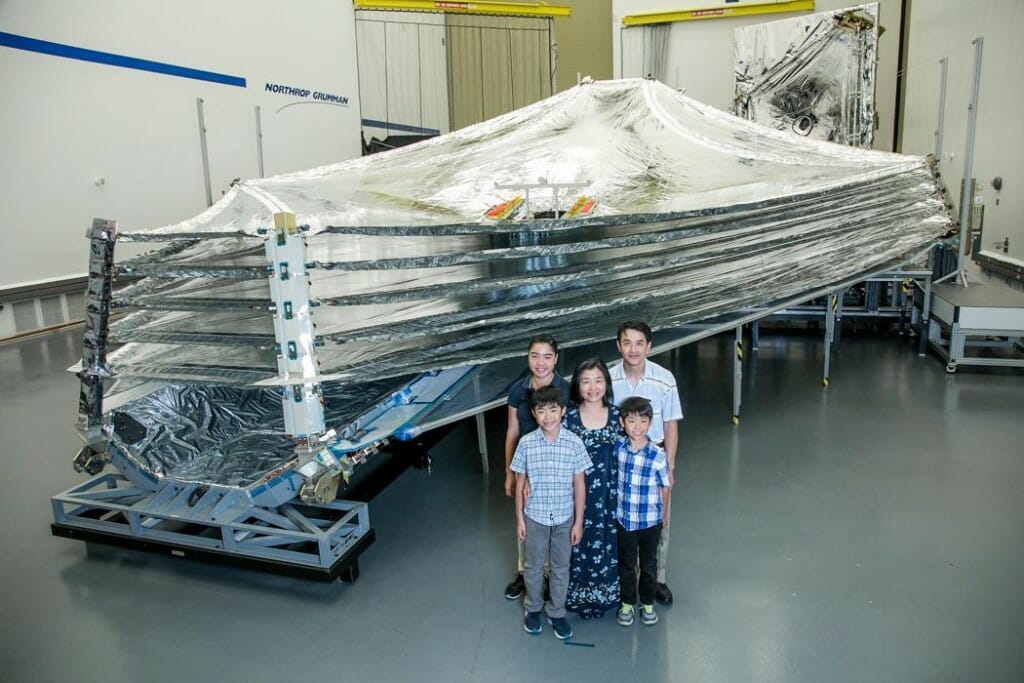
[550,518]
[643,495]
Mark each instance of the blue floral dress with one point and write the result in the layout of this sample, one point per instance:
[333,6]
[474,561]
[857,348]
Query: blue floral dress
[594,569]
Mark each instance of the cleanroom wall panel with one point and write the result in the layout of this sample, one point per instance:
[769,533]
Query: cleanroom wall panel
[482,79]
[465,76]
[86,139]
[584,42]
[943,28]
[496,66]
[530,66]
[433,77]
[403,74]
[372,55]
[403,77]
[699,54]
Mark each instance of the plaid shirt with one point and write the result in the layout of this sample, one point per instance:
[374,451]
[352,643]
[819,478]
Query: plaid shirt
[550,468]
[642,475]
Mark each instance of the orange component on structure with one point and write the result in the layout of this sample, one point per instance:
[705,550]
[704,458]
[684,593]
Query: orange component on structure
[500,212]
[581,207]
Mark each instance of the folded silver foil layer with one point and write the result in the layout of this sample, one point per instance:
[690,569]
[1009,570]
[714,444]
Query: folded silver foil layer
[698,214]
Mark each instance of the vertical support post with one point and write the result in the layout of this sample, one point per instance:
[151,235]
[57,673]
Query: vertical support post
[837,311]
[830,325]
[481,442]
[940,125]
[102,237]
[926,308]
[737,376]
[259,140]
[755,336]
[206,155]
[966,199]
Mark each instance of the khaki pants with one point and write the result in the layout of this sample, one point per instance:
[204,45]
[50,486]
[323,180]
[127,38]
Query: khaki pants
[663,543]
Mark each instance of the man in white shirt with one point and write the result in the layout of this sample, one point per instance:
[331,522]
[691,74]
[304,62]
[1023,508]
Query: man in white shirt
[638,376]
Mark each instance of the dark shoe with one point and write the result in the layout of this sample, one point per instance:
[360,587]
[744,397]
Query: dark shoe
[531,622]
[561,628]
[662,594]
[515,590]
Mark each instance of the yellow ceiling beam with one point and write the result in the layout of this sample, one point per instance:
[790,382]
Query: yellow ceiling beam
[717,13]
[519,9]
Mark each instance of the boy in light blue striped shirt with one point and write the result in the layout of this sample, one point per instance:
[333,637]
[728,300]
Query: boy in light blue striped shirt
[643,495]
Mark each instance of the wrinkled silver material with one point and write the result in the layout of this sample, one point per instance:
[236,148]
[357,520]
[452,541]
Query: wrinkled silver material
[227,436]
[698,214]
[813,75]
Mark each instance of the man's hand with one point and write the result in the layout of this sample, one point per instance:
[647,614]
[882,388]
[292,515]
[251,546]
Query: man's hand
[510,483]
[576,533]
[671,477]
[521,529]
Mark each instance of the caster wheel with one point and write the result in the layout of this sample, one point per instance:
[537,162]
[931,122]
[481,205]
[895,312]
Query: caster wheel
[350,573]
[951,368]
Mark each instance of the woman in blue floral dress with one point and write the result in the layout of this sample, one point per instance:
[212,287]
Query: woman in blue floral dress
[594,569]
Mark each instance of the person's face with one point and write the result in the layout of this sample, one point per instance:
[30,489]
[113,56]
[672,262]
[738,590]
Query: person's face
[592,385]
[633,346]
[548,416]
[541,359]
[636,426]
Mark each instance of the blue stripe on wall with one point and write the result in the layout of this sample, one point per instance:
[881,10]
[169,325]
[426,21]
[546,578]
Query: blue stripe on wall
[400,127]
[110,59]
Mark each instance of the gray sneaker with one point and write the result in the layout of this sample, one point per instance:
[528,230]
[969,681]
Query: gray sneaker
[624,616]
[648,615]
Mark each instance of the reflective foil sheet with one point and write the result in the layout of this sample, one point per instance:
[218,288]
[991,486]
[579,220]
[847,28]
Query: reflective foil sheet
[226,436]
[813,75]
[685,213]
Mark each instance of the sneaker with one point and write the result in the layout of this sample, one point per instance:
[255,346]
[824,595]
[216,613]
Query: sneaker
[624,616]
[561,628]
[648,615]
[531,622]
[515,590]
[662,594]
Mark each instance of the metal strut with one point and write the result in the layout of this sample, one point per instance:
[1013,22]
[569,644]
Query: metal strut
[102,236]
[297,363]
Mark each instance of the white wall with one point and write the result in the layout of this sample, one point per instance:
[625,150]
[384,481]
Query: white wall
[66,122]
[945,28]
[700,53]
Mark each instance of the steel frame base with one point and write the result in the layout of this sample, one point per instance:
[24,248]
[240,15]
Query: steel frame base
[319,542]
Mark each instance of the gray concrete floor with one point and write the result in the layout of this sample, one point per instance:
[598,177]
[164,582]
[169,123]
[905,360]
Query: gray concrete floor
[868,532]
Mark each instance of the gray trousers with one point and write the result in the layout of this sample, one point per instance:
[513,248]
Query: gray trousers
[550,542]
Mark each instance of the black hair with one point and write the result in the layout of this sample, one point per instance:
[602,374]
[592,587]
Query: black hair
[636,405]
[590,364]
[543,339]
[638,325]
[546,396]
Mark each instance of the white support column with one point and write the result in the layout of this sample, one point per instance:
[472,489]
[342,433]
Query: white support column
[297,363]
